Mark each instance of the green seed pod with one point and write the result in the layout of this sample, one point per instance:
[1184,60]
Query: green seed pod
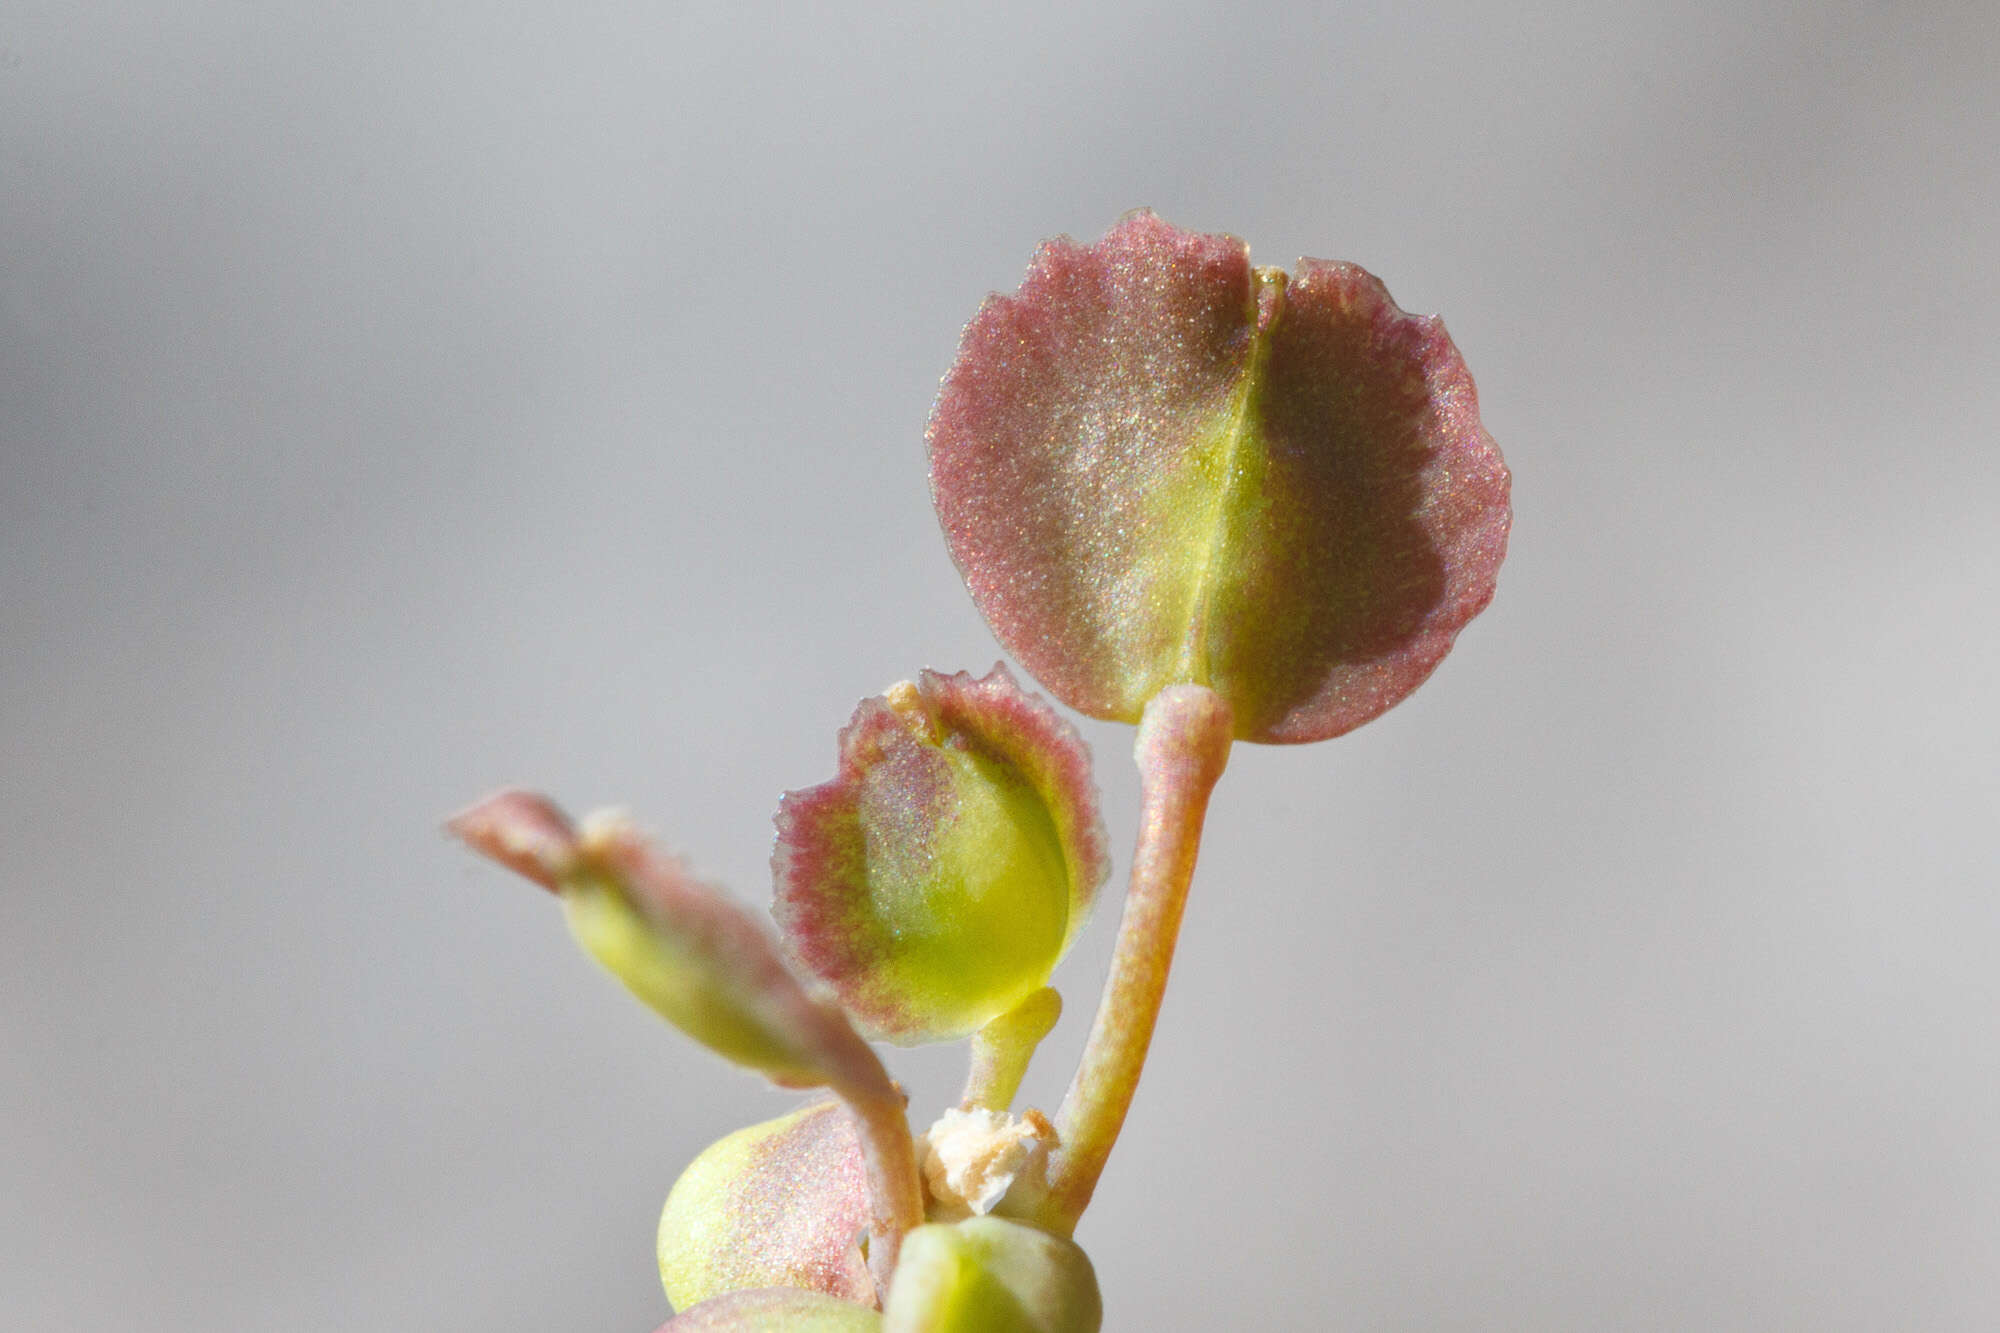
[781,1204]
[937,880]
[776,1310]
[989,1275]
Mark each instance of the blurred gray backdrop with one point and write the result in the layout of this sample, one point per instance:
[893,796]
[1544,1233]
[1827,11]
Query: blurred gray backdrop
[401,400]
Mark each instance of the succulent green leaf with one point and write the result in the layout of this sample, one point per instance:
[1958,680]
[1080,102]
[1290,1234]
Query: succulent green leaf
[935,882]
[679,945]
[1157,465]
[781,1204]
[776,1310]
[990,1275]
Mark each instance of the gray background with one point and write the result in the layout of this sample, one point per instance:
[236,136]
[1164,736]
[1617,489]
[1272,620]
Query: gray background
[399,400]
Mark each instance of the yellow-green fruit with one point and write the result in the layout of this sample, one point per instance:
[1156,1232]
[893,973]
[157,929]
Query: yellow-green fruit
[974,892]
[779,1204]
[935,882]
[776,1310]
[989,1275]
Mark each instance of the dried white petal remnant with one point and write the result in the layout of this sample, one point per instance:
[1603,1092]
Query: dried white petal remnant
[972,1158]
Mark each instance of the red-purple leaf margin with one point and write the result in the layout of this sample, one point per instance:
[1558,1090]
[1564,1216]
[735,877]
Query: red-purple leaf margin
[1155,464]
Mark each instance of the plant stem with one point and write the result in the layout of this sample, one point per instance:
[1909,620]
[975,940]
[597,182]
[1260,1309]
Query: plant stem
[1001,1051]
[895,1192]
[1183,746]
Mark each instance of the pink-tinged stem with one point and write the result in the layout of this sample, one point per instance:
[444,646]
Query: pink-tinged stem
[1182,749]
[895,1191]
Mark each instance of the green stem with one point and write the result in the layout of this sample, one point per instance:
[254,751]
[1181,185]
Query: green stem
[1182,749]
[1001,1051]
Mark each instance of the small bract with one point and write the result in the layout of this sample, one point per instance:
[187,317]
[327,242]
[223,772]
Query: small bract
[1158,465]
[935,882]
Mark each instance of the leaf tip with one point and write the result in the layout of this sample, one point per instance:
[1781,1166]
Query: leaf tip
[523,831]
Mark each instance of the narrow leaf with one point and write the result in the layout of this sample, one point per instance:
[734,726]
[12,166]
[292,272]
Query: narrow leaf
[679,945]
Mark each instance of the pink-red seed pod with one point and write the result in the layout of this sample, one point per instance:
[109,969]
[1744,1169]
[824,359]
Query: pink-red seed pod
[1155,464]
